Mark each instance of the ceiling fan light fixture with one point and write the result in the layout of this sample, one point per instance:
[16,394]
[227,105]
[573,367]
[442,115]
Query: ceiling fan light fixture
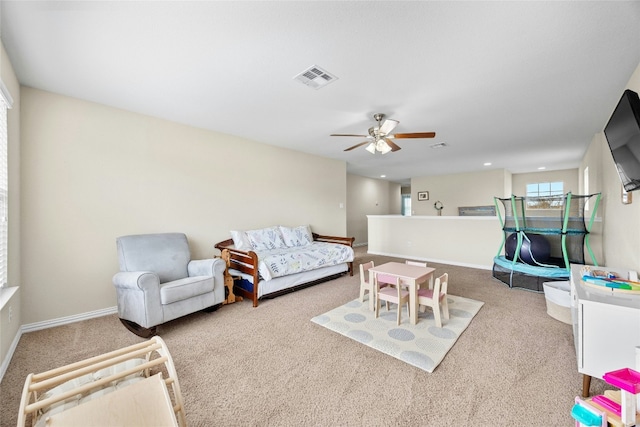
[371,148]
[382,140]
[382,146]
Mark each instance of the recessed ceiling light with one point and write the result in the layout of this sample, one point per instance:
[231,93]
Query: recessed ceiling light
[541,168]
[383,176]
[487,164]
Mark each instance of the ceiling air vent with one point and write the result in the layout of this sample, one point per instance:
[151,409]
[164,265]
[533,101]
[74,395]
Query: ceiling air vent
[439,145]
[315,77]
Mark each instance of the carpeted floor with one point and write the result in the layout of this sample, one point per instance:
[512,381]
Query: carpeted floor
[270,365]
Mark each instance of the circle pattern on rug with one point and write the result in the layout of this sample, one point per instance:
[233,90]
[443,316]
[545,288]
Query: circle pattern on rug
[431,346]
[443,333]
[322,319]
[401,334]
[355,318]
[460,313]
[386,346]
[354,303]
[360,335]
[419,360]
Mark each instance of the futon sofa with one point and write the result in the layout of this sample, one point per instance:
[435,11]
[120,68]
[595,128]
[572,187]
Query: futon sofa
[270,261]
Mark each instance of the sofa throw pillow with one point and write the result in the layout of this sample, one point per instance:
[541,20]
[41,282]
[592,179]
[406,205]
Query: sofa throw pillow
[296,236]
[241,241]
[266,238]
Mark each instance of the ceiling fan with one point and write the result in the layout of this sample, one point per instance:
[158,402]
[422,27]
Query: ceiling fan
[379,138]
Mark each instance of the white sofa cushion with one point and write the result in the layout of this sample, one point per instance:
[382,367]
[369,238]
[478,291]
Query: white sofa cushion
[240,240]
[266,238]
[296,236]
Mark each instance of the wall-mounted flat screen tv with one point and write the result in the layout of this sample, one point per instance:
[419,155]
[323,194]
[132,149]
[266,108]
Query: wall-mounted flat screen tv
[623,135]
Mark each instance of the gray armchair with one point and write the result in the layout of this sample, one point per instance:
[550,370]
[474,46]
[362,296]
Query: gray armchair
[159,282]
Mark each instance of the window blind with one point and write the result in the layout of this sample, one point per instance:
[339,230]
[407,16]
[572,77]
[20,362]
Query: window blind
[5,103]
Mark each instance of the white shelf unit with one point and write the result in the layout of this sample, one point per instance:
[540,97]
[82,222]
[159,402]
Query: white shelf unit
[606,326]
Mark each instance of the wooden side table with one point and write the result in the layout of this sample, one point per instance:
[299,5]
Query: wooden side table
[228,280]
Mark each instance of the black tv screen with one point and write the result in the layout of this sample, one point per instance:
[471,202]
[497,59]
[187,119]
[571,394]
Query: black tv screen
[623,135]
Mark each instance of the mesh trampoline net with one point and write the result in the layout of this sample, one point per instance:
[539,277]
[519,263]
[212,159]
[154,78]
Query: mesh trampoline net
[540,219]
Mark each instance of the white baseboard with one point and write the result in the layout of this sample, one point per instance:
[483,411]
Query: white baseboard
[50,324]
[12,349]
[69,319]
[439,261]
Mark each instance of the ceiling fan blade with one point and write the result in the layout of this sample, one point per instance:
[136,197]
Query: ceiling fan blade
[414,135]
[357,145]
[393,145]
[388,126]
[348,134]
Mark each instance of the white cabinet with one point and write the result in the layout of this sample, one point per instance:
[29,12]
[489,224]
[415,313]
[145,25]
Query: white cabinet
[606,326]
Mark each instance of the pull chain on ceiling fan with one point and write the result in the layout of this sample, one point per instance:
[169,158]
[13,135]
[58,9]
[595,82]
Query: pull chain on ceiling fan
[379,138]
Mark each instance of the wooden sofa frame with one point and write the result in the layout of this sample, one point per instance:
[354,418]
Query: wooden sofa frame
[247,263]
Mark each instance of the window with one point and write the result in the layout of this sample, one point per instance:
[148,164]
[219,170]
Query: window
[586,186]
[545,195]
[5,103]
[406,204]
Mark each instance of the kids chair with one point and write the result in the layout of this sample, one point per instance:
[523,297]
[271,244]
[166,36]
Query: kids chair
[436,298]
[393,292]
[420,264]
[366,284]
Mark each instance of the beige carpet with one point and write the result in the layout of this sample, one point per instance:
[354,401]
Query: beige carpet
[244,366]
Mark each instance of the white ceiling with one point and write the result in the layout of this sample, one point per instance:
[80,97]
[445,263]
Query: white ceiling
[517,84]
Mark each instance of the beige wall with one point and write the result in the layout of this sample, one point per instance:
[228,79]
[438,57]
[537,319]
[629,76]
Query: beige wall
[459,190]
[621,223]
[9,328]
[568,176]
[367,196]
[91,173]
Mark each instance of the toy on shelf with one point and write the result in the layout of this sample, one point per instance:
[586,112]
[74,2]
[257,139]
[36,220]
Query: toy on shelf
[609,280]
[614,408]
[587,415]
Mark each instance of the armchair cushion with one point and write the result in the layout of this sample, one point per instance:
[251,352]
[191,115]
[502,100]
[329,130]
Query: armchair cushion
[186,288]
[166,254]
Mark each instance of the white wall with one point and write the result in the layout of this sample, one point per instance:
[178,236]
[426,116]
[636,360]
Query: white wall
[457,240]
[91,173]
[368,196]
[459,190]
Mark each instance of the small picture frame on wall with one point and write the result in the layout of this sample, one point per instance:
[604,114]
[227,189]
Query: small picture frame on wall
[423,195]
[626,197]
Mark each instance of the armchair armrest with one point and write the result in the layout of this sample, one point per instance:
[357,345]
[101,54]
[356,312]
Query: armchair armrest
[138,295]
[136,280]
[206,267]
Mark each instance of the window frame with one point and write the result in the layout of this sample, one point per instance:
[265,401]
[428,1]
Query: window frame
[547,195]
[6,103]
